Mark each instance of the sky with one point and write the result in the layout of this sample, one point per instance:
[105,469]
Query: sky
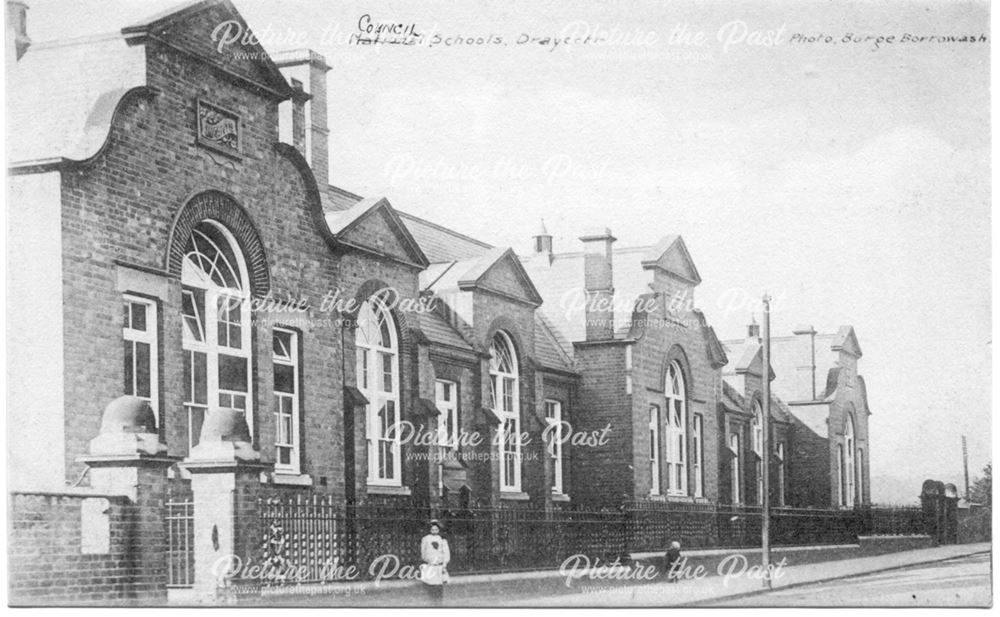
[849,179]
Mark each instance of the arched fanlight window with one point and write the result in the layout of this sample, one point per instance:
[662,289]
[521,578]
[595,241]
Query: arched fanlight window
[216,318]
[676,392]
[757,442]
[849,453]
[378,378]
[505,394]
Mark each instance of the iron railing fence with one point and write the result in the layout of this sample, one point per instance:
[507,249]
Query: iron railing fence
[312,535]
[180,541]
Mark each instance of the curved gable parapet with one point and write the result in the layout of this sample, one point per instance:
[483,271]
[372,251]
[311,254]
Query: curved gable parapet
[864,394]
[65,109]
[221,207]
[314,200]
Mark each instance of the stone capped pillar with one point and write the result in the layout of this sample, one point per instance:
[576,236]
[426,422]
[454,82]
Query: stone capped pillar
[128,458]
[225,474]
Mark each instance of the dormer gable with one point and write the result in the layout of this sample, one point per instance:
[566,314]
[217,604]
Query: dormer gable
[216,33]
[670,256]
[373,226]
[499,271]
[846,341]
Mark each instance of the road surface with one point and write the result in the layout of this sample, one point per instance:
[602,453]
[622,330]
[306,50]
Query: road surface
[963,581]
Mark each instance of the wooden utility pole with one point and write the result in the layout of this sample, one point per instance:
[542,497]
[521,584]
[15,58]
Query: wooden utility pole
[765,466]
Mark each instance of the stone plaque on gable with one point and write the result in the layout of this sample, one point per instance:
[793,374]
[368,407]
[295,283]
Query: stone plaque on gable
[218,129]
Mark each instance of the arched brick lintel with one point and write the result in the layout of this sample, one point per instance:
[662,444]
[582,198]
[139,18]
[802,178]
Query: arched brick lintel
[222,208]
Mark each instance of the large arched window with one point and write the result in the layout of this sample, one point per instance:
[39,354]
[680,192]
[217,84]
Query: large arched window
[505,394]
[757,442]
[378,378]
[676,431]
[216,339]
[849,449]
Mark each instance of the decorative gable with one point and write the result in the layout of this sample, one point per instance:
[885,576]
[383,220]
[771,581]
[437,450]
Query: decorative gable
[215,32]
[846,341]
[500,271]
[373,226]
[671,255]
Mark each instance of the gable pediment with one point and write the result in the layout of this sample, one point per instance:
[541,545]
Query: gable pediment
[374,226]
[671,255]
[215,32]
[500,271]
[756,365]
[847,341]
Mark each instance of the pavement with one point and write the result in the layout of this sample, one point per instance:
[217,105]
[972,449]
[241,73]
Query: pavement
[733,582]
[736,586]
[957,582]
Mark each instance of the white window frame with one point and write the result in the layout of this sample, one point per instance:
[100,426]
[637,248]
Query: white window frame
[195,275]
[553,416]
[757,443]
[698,453]
[293,444]
[654,450]
[734,467]
[505,395]
[676,450]
[371,354]
[447,410]
[150,337]
[849,471]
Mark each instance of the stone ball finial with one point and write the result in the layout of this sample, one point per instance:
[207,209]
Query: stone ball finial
[128,414]
[224,424]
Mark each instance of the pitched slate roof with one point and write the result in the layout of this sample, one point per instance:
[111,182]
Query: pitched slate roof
[733,400]
[335,199]
[548,349]
[440,332]
[439,243]
[442,244]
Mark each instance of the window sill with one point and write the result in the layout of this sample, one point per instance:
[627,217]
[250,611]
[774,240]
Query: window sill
[287,479]
[382,489]
[560,497]
[515,495]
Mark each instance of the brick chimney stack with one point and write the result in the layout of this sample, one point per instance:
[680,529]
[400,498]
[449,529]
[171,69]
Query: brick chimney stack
[599,284]
[805,352]
[753,329]
[309,69]
[17,30]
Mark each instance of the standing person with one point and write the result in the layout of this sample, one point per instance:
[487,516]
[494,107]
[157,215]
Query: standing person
[673,561]
[435,554]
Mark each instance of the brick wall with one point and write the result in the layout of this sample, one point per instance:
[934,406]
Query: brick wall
[604,475]
[665,340]
[48,565]
[121,207]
